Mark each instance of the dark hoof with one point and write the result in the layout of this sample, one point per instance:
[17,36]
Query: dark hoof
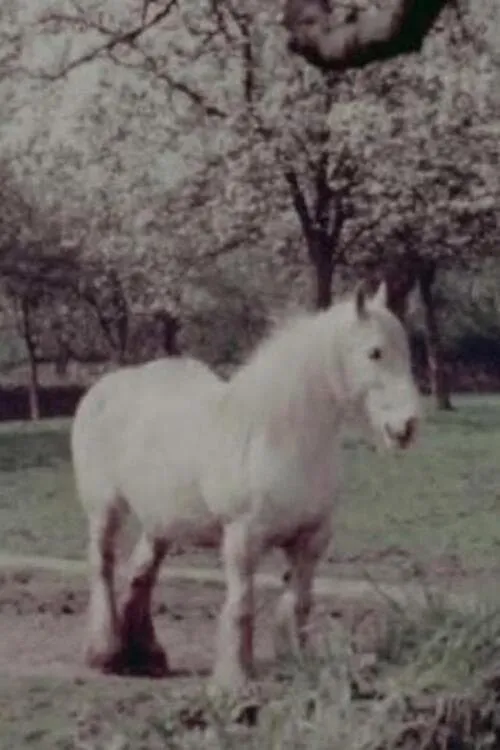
[140,661]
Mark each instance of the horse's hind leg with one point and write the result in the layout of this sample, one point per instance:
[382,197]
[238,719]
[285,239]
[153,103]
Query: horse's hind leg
[142,653]
[103,639]
[303,553]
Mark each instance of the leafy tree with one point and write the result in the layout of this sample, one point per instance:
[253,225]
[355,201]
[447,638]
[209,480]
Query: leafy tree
[280,158]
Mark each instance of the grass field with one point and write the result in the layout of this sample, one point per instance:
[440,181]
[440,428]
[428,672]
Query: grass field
[418,679]
[439,502]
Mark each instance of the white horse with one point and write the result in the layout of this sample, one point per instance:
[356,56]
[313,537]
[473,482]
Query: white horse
[251,463]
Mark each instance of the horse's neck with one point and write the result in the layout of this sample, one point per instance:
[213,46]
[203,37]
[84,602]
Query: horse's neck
[289,384]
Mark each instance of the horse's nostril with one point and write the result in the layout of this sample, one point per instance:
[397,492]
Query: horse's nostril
[407,435]
[402,436]
[411,426]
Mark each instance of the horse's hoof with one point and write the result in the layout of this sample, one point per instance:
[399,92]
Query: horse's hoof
[145,662]
[105,662]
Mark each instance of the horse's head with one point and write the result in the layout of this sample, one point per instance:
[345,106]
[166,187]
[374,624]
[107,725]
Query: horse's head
[377,369]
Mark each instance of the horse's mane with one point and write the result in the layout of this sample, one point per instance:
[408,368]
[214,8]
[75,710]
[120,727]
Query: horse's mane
[284,329]
[289,368]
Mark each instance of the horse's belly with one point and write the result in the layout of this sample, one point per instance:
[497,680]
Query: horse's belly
[204,532]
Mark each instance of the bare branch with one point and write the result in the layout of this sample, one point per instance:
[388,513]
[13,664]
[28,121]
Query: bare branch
[117,40]
[243,22]
[323,190]
[162,75]
[360,231]
[299,201]
[124,38]
[338,217]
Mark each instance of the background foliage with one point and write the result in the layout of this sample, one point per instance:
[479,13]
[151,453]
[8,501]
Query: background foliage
[172,162]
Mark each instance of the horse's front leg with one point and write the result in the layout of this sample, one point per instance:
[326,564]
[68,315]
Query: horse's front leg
[294,606]
[234,649]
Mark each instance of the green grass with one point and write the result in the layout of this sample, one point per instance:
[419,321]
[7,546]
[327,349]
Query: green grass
[441,498]
[39,512]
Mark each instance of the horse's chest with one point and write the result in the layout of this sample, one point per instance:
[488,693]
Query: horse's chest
[292,480]
[304,477]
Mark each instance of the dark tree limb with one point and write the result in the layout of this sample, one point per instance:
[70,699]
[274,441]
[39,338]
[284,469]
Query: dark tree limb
[113,40]
[113,43]
[438,375]
[322,224]
[365,36]
[299,201]
[26,310]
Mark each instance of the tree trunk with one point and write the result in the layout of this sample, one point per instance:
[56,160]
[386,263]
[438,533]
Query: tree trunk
[34,399]
[323,276]
[33,390]
[398,289]
[170,328]
[438,375]
[400,277]
[63,350]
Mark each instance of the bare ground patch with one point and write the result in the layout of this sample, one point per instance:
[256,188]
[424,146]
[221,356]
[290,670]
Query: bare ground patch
[43,620]
[391,678]
[49,699]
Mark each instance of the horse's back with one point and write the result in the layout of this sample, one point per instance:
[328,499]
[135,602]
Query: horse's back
[130,411]
[174,372]
[165,377]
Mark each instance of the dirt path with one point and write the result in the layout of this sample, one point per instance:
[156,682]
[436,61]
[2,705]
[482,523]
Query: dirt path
[324,586]
[43,604]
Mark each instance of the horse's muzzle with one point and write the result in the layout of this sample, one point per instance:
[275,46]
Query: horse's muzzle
[404,436]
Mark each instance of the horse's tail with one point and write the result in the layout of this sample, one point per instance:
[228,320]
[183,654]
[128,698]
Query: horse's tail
[92,440]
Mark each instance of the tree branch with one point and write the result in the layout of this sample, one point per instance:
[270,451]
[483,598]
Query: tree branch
[162,75]
[115,39]
[324,192]
[368,35]
[243,22]
[360,231]
[338,218]
[299,201]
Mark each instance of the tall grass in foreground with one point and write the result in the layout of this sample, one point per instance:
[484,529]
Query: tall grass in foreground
[428,681]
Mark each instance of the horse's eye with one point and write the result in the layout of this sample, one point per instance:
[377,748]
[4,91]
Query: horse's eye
[376,353]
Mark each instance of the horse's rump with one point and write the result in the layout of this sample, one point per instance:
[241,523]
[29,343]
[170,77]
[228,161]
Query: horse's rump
[140,419]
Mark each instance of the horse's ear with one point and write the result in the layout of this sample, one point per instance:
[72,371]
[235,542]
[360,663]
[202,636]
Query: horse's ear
[360,300]
[380,298]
